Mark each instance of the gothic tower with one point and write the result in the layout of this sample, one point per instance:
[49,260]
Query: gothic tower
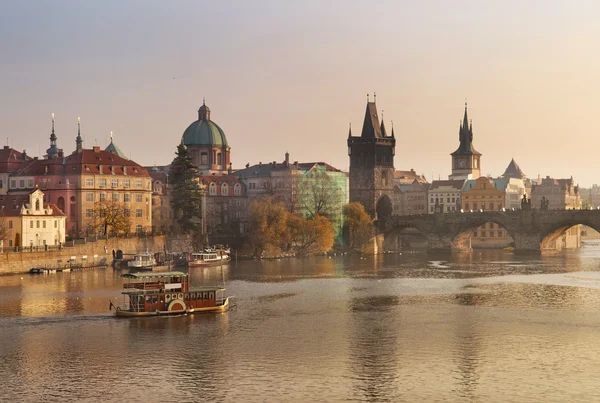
[372,165]
[466,161]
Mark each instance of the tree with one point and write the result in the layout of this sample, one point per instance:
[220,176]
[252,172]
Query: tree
[267,225]
[310,236]
[359,225]
[110,216]
[186,194]
[319,194]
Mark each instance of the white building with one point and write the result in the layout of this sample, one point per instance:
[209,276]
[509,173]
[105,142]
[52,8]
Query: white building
[29,222]
[445,195]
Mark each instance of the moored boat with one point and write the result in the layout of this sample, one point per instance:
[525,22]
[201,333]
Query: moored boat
[209,257]
[142,261]
[167,293]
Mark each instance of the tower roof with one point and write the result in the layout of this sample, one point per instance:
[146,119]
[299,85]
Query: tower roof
[513,171]
[371,126]
[382,128]
[465,137]
[113,149]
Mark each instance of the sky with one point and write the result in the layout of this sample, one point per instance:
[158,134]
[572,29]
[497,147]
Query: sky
[292,75]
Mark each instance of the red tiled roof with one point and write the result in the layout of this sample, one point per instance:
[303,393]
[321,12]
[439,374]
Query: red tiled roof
[12,160]
[94,161]
[10,205]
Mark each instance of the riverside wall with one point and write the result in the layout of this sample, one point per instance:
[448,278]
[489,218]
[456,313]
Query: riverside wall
[21,262]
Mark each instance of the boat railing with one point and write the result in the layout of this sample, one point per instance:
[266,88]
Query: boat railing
[145,286]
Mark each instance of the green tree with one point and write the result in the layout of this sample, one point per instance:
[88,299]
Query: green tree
[310,236]
[319,194]
[186,195]
[358,225]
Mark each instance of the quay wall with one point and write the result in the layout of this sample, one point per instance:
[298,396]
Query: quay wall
[21,262]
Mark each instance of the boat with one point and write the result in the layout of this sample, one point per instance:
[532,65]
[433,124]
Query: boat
[209,257]
[167,293]
[142,261]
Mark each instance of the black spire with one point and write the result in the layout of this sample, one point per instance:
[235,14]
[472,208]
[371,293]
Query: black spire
[78,140]
[465,137]
[52,152]
[371,123]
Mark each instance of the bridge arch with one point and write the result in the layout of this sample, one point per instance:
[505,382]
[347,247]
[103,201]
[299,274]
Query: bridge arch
[407,235]
[480,227]
[384,207]
[551,237]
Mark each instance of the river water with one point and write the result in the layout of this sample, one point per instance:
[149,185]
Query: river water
[482,327]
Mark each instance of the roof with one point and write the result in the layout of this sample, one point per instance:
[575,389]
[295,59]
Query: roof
[12,160]
[204,133]
[86,161]
[11,205]
[371,126]
[113,149]
[261,170]
[456,184]
[513,170]
[407,177]
[155,275]
[465,137]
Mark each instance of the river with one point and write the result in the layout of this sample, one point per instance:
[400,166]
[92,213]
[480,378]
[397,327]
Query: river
[482,327]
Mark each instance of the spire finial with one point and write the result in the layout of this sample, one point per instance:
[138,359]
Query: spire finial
[382,115]
[78,125]
[111,136]
[367,97]
[374,96]
[78,139]
[350,129]
[53,122]
[203,101]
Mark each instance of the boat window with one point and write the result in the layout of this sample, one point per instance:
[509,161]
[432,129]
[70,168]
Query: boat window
[193,295]
[187,296]
[211,296]
[148,299]
[205,295]
[154,299]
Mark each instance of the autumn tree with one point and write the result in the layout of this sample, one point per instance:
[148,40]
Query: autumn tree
[358,225]
[186,194]
[110,217]
[267,225]
[310,236]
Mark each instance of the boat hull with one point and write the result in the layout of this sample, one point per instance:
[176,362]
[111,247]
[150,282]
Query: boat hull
[210,263]
[211,309]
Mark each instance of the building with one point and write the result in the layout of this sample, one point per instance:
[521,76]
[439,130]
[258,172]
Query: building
[466,161]
[31,223]
[78,181]
[513,171]
[372,165]
[162,217]
[410,199]
[408,177]
[445,196]
[306,188]
[559,193]
[11,161]
[207,144]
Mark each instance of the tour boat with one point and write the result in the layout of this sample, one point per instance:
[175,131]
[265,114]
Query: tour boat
[142,261]
[167,293]
[209,257]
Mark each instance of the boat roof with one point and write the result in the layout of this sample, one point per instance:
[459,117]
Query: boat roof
[192,289]
[155,275]
[206,288]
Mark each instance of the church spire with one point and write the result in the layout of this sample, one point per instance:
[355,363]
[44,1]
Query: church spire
[350,129]
[393,136]
[78,140]
[52,152]
[204,111]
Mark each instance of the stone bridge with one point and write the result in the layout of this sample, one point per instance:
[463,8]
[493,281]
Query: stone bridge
[531,230]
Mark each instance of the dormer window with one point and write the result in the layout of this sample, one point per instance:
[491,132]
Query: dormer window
[37,205]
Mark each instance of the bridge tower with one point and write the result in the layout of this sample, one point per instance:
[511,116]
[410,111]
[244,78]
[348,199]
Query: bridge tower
[372,165]
[466,161]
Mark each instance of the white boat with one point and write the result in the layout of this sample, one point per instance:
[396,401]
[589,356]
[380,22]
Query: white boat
[142,261]
[209,257]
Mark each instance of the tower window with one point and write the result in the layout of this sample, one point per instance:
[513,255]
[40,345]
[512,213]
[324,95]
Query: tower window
[204,159]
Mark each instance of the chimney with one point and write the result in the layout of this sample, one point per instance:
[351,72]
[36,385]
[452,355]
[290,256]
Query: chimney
[260,163]
[24,155]
[96,149]
[124,170]
[247,165]
[287,159]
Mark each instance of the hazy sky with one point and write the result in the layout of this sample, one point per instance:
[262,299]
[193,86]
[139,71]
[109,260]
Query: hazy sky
[290,75]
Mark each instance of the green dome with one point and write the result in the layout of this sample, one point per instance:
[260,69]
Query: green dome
[204,133]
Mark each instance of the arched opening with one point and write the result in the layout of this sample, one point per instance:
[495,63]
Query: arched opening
[569,236]
[61,204]
[384,207]
[483,234]
[404,238]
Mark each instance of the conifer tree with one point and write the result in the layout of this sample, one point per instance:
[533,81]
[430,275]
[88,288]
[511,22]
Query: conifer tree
[186,195]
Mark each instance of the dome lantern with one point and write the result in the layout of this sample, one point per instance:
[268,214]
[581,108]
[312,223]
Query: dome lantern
[203,112]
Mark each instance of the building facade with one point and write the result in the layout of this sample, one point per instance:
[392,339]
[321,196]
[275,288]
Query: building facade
[372,165]
[411,199]
[560,194]
[445,196]
[31,223]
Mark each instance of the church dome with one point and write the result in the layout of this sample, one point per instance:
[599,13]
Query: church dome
[204,132]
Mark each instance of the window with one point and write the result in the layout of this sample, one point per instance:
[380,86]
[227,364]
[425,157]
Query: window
[55,223]
[466,206]
[219,159]
[252,185]
[29,183]
[384,178]
[44,224]
[126,212]
[10,243]
[102,196]
[13,183]
[483,234]
[138,228]
[447,200]
[138,183]
[138,197]
[10,224]
[126,197]
[237,189]
[115,183]
[126,183]
[89,182]
[491,234]
[224,189]
[212,189]
[499,234]
[89,196]
[30,224]
[102,182]
[475,234]
[21,183]
[115,197]
[491,206]
[138,212]
[88,213]
[204,159]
